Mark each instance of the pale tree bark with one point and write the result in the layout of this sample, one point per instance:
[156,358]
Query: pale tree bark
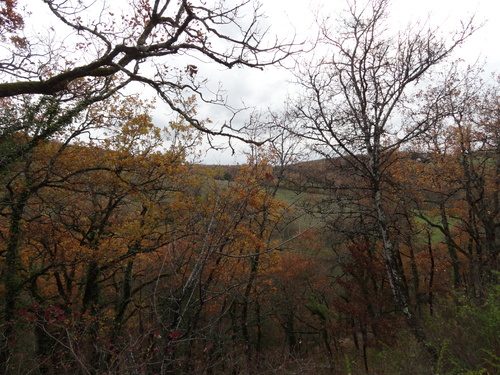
[355,106]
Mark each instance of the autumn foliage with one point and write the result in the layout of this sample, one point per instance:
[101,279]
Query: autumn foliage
[362,237]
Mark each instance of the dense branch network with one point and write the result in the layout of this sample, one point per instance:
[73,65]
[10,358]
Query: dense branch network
[157,43]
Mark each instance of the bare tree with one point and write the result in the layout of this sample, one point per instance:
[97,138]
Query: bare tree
[357,105]
[158,43]
[468,146]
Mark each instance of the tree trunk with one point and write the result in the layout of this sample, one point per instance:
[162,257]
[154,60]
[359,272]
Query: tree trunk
[12,281]
[397,280]
[455,263]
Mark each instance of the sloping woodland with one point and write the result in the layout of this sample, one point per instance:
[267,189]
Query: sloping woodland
[361,236]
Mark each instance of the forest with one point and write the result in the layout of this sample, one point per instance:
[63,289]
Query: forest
[360,236]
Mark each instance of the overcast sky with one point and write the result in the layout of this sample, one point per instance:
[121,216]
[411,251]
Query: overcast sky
[286,18]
